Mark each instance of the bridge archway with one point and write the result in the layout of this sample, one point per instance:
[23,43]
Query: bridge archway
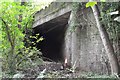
[53,33]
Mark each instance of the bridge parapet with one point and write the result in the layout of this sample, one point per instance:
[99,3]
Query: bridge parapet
[55,9]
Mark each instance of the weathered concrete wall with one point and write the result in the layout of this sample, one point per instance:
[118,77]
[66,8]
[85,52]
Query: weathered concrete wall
[55,10]
[83,46]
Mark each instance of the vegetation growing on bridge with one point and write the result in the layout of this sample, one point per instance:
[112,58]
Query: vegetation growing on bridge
[18,50]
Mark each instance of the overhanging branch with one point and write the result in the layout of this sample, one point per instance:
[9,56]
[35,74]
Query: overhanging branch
[7,30]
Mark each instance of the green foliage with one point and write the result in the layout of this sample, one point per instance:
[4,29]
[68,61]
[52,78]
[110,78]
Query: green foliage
[74,20]
[37,38]
[90,4]
[113,27]
[108,21]
[16,20]
[102,0]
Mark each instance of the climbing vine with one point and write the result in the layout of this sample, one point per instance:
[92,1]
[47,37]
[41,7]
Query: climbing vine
[111,25]
[74,17]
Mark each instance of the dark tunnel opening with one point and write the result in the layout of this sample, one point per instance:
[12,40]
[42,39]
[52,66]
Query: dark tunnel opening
[53,32]
[52,45]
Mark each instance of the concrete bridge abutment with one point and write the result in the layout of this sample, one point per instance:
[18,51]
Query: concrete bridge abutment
[73,35]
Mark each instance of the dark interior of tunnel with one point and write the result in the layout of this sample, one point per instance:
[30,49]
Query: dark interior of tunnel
[53,33]
[52,45]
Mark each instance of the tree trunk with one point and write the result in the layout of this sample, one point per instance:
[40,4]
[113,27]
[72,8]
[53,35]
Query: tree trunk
[11,63]
[106,42]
